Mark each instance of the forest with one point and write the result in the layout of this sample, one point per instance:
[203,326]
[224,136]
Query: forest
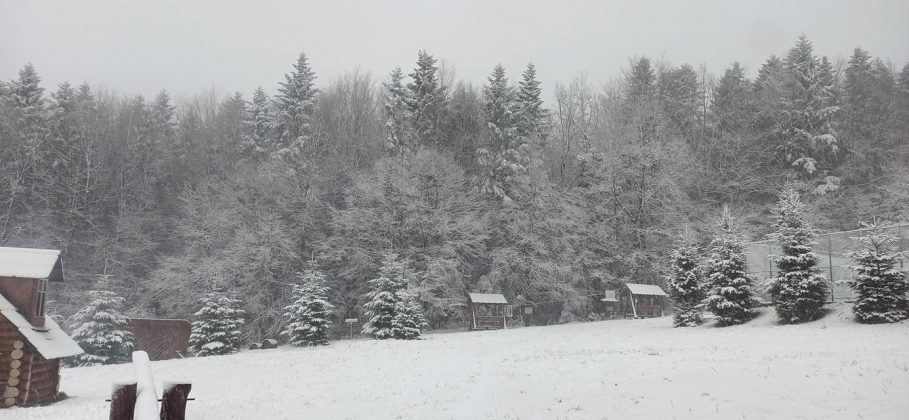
[491,188]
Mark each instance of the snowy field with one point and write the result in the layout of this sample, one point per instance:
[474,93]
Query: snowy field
[627,369]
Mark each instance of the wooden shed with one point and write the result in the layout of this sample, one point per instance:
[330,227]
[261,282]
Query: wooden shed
[31,345]
[486,311]
[641,300]
[162,339]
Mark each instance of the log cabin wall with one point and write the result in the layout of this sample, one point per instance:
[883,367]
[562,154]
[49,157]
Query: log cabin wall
[26,377]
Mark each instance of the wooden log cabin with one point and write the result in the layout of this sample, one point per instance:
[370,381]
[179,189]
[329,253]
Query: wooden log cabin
[641,300]
[486,311]
[31,344]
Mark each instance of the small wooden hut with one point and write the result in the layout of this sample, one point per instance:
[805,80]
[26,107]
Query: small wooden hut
[641,300]
[31,344]
[486,311]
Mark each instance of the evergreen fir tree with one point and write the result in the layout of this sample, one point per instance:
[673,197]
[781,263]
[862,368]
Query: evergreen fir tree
[880,288]
[531,119]
[729,287]
[426,100]
[681,98]
[216,328]
[409,321]
[101,330]
[385,298]
[809,129]
[258,123]
[731,100]
[640,83]
[295,102]
[507,158]
[310,311]
[394,104]
[686,286]
[799,290]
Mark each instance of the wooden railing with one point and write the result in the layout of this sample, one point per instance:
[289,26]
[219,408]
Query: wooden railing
[138,400]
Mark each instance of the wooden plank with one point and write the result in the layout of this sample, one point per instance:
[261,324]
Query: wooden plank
[173,402]
[123,401]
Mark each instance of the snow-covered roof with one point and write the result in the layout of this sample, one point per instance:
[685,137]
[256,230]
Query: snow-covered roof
[487,298]
[645,289]
[31,263]
[49,340]
[609,296]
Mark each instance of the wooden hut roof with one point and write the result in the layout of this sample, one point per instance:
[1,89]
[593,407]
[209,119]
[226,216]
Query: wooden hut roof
[31,263]
[49,339]
[645,289]
[487,298]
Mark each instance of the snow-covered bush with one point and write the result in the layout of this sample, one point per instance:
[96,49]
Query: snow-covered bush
[800,290]
[101,330]
[216,328]
[880,289]
[309,312]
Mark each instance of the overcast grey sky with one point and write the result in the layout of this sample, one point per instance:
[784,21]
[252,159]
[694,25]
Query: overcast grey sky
[189,46]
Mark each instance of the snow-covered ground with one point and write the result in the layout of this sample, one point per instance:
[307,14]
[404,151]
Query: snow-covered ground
[627,369]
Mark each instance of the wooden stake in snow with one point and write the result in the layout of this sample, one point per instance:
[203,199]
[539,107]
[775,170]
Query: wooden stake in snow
[173,402]
[146,397]
[123,402]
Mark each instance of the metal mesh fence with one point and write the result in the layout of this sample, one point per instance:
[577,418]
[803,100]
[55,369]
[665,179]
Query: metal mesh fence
[833,252]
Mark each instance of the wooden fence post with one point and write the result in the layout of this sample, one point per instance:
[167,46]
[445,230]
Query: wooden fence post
[123,401]
[173,402]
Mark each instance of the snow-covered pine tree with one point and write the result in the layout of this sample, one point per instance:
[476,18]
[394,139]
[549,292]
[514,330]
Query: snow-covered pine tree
[507,156]
[732,100]
[409,321]
[531,114]
[310,311]
[216,328]
[809,129]
[426,101]
[686,284]
[294,103]
[799,290]
[880,288]
[101,330]
[394,104]
[729,287]
[257,124]
[384,298]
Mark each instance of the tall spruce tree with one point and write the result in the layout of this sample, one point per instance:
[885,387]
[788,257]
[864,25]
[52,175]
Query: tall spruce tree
[799,290]
[808,129]
[395,101]
[506,159]
[531,118]
[385,298]
[294,109]
[730,296]
[101,330]
[310,311]
[880,288]
[686,283]
[258,123]
[731,104]
[426,100]
[216,328]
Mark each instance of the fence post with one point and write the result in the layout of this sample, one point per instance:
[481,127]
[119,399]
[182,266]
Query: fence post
[830,266]
[123,401]
[173,402]
[146,398]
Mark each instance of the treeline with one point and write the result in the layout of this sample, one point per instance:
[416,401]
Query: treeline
[474,188]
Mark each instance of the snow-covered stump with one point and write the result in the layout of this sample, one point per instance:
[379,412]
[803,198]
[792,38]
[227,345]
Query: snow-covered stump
[173,402]
[122,401]
[146,397]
